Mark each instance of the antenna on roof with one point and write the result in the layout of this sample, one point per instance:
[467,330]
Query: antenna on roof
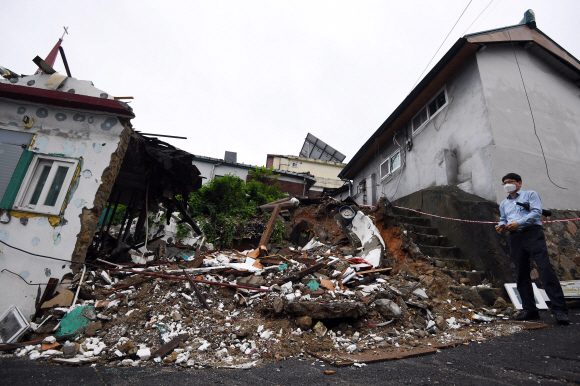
[51,58]
[65,32]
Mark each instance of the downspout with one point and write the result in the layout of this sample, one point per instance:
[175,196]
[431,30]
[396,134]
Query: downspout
[213,170]
[304,189]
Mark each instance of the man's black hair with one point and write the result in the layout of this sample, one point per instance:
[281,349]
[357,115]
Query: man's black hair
[512,176]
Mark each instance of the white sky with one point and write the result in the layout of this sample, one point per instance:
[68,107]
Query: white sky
[254,77]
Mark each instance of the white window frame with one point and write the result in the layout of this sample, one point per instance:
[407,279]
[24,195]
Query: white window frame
[388,164]
[426,107]
[29,184]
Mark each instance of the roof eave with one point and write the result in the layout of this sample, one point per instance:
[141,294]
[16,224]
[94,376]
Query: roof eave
[346,173]
[61,99]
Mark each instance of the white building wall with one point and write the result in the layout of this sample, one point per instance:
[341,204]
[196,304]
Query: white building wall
[90,139]
[207,169]
[556,111]
[459,134]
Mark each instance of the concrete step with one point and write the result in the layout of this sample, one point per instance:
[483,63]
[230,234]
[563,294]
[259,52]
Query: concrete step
[474,278]
[431,240]
[414,220]
[421,229]
[451,264]
[438,251]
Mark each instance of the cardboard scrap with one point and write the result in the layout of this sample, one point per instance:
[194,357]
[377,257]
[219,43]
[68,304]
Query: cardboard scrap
[329,285]
[64,299]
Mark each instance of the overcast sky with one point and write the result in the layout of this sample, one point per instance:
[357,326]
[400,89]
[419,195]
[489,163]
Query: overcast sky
[254,77]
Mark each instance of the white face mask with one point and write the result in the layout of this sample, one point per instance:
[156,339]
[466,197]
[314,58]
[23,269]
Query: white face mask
[509,188]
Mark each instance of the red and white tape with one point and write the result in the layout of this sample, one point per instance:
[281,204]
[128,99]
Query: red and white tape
[458,219]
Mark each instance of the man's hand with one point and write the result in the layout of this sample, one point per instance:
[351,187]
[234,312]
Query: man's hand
[500,228]
[512,226]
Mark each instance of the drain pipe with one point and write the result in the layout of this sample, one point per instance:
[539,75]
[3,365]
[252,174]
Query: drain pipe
[213,170]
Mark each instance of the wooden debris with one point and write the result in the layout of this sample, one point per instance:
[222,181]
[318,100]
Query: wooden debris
[197,291]
[373,271]
[198,258]
[127,285]
[48,292]
[165,349]
[329,285]
[270,227]
[302,273]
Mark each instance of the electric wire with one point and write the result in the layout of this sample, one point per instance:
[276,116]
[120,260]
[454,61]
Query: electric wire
[489,13]
[474,20]
[444,40]
[532,113]
[23,279]
[48,257]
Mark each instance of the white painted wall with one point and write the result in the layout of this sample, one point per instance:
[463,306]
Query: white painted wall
[90,139]
[555,102]
[462,127]
[220,170]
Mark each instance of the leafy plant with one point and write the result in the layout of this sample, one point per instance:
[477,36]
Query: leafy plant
[225,203]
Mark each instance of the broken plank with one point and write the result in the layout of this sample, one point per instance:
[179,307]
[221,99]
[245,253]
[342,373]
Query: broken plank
[270,227]
[165,349]
[373,271]
[48,291]
[305,260]
[198,258]
[196,289]
[340,359]
[127,285]
[270,261]
[302,273]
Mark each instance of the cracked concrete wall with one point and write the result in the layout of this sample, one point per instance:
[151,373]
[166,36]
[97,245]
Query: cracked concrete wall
[90,137]
[90,216]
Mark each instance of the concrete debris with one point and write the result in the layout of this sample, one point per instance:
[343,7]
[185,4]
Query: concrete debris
[235,311]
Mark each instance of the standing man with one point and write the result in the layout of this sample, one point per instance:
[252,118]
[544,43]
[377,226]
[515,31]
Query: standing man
[527,240]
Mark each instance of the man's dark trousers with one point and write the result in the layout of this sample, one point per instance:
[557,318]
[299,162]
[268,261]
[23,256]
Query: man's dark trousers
[532,244]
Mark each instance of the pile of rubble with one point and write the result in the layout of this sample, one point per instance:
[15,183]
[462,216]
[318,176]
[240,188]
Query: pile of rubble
[342,291]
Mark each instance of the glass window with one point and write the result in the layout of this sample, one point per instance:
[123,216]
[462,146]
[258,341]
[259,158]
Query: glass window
[395,161]
[385,170]
[40,184]
[420,119]
[56,186]
[46,184]
[437,103]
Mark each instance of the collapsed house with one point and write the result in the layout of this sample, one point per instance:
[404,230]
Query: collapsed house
[348,287]
[70,156]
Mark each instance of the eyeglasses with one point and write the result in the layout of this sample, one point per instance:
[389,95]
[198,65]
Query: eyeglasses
[509,182]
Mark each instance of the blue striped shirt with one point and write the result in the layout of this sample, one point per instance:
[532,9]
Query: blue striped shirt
[511,212]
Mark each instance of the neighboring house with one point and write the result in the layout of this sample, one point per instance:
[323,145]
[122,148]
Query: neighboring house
[325,172]
[468,123]
[66,148]
[291,182]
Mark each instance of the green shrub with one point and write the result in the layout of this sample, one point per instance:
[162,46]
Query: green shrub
[225,203]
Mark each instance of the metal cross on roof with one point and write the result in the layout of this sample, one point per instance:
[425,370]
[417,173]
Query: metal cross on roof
[65,32]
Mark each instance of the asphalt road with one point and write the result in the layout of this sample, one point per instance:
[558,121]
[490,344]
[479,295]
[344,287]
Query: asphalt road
[548,357]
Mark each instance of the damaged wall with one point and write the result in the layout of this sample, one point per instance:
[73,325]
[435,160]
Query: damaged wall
[88,136]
